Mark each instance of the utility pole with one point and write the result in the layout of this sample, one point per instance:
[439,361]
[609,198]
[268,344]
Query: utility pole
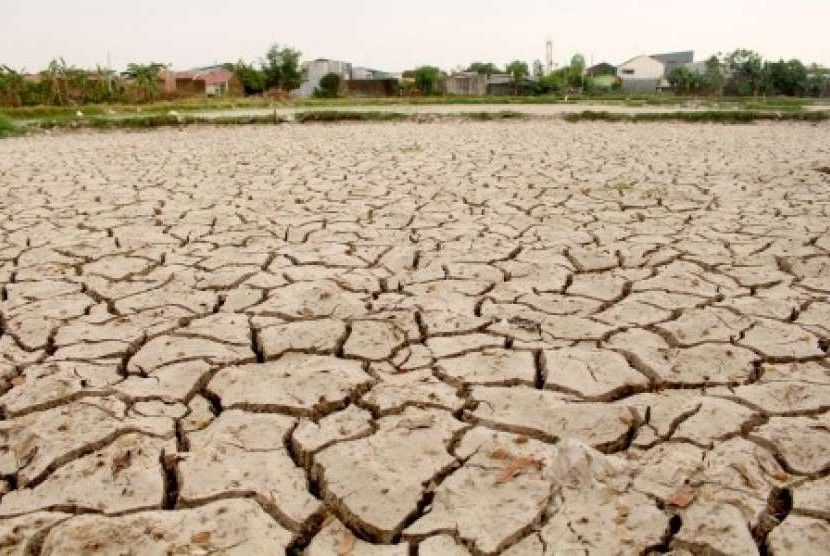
[549,56]
[109,72]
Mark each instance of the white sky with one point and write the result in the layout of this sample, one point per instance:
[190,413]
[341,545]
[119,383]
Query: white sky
[394,35]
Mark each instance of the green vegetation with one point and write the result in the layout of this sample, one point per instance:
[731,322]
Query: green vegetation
[703,116]
[484,68]
[490,116]
[279,69]
[7,127]
[329,86]
[426,79]
[518,71]
[347,116]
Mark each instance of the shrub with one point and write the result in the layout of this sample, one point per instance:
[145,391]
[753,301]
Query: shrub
[329,86]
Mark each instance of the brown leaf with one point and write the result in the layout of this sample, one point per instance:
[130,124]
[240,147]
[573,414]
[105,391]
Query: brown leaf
[120,462]
[18,380]
[500,453]
[681,499]
[306,312]
[516,466]
[521,439]
[202,538]
[346,545]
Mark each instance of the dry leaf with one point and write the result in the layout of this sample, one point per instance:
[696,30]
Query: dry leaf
[516,466]
[500,453]
[681,499]
[202,538]
[521,439]
[18,380]
[346,545]
[306,312]
[120,462]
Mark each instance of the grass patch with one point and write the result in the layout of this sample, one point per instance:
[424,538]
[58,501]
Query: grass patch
[150,121]
[7,127]
[325,116]
[703,116]
[490,116]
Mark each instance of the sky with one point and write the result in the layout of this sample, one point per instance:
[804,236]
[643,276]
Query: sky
[392,35]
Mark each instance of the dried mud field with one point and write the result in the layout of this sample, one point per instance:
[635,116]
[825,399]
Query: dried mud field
[515,338]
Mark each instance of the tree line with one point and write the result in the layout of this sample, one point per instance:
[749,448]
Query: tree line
[745,73]
[738,73]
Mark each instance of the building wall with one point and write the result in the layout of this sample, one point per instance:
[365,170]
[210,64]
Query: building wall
[641,67]
[371,88]
[466,85]
[640,85]
[314,72]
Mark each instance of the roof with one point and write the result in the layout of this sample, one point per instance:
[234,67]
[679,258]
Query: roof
[683,57]
[210,76]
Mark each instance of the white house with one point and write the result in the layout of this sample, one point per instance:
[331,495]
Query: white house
[641,67]
[314,71]
[648,73]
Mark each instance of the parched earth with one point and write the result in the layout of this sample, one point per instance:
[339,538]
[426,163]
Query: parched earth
[388,339]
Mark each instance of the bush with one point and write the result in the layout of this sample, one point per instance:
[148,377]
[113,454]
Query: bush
[7,128]
[329,86]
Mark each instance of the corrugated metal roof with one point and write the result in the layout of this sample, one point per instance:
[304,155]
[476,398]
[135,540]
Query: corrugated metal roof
[683,57]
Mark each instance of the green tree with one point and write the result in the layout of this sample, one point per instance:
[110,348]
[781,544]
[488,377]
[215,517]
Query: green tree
[684,81]
[329,86]
[747,73]
[713,79]
[54,82]
[12,87]
[146,78]
[818,81]
[786,78]
[484,68]
[518,71]
[576,71]
[281,68]
[252,78]
[551,84]
[426,79]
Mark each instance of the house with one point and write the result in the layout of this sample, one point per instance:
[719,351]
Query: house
[212,81]
[314,71]
[466,83]
[647,74]
[356,80]
[602,69]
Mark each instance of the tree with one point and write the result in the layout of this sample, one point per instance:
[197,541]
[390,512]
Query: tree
[551,84]
[12,87]
[818,81]
[576,71]
[281,70]
[54,82]
[252,79]
[684,81]
[785,78]
[518,70]
[747,73]
[146,78]
[713,79]
[329,86]
[426,79]
[484,68]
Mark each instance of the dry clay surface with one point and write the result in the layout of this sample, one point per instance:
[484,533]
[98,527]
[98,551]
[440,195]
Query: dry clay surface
[473,338]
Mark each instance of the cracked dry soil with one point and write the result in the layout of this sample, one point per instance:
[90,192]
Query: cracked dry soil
[458,338]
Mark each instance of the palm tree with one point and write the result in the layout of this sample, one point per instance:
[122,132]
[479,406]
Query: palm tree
[12,87]
[54,78]
[146,77]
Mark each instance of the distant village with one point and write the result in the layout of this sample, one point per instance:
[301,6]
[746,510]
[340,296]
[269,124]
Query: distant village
[281,75]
